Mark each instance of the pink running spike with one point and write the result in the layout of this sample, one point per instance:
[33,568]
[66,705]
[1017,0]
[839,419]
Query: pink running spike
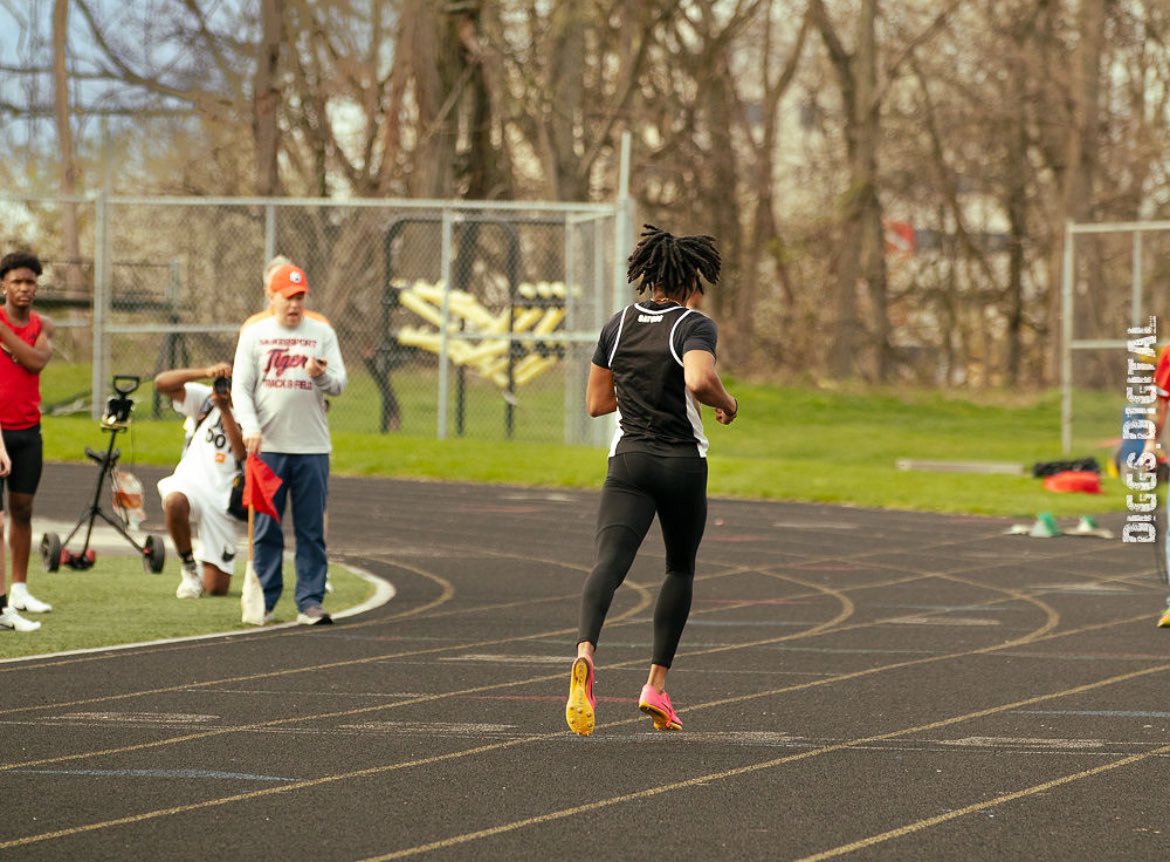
[659,708]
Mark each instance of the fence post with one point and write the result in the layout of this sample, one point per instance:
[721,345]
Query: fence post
[445,320]
[269,232]
[1135,294]
[599,432]
[569,432]
[101,302]
[622,245]
[621,223]
[1066,337]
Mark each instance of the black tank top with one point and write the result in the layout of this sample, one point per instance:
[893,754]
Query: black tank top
[643,345]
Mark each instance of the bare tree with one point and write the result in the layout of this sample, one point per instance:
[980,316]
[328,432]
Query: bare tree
[985,124]
[569,81]
[860,258]
[266,96]
[859,251]
[764,240]
[1081,145]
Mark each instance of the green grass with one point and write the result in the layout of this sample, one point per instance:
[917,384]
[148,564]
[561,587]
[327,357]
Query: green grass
[117,602]
[537,415]
[816,445]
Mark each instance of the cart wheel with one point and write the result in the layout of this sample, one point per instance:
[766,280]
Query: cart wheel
[154,554]
[51,551]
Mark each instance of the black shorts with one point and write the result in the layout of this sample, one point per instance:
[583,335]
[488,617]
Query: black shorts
[26,451]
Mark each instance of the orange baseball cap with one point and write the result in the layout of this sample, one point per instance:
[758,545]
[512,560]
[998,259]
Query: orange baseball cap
[289,280]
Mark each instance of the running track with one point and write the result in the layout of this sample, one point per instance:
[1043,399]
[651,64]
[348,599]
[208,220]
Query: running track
[854,684]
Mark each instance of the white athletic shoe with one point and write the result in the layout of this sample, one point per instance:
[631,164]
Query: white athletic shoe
[22,600]
[314,615]
[190,586]
[10,619]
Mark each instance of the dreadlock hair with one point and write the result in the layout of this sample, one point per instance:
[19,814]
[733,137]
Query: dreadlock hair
[672,263]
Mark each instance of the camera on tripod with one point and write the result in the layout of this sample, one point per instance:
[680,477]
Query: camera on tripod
[127,491]
[120,405]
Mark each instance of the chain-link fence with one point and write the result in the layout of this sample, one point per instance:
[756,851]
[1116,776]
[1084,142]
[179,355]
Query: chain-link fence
[455,318]
[1114,280]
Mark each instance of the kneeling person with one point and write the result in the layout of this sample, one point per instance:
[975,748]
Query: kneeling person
[197,493]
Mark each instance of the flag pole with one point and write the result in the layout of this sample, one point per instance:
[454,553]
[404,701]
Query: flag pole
[252,595]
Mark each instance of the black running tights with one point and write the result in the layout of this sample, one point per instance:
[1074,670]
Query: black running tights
[637,486]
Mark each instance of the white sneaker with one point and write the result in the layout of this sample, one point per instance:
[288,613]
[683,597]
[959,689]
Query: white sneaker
[23,600]
[190,586]
[314,615]
[10,619]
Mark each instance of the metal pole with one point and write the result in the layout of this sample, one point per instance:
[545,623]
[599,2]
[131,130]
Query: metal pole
[100,250]
[1135,299]
[1066,336]
[269,232]
[444,319]
[621,246]
[101,280]
[598,431]
[571,397]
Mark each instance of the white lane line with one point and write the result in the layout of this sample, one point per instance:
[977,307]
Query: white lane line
[383,592]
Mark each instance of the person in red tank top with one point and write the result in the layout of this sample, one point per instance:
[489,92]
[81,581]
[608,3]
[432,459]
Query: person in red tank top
[26,345]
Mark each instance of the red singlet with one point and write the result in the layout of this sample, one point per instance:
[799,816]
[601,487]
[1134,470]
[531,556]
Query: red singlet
[20,389]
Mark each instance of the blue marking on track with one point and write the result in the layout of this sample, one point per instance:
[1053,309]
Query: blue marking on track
[158,773]
[1105,713]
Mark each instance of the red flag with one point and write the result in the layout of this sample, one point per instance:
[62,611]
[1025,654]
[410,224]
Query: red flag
[260,485]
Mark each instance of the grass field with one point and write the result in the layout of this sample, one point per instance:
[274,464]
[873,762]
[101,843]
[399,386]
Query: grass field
[829,446]
[117,602]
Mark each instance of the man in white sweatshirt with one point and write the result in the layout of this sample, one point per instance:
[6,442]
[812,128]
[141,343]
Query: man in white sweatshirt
[287,361]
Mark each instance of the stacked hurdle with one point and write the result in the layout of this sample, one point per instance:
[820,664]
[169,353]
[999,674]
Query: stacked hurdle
[484,342]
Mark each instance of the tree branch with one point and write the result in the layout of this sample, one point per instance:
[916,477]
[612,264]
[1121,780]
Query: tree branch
[122,71]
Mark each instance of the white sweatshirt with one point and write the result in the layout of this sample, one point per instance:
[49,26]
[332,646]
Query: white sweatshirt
[272,391]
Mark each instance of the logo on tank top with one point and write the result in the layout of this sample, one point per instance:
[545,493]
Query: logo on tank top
[649,318]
